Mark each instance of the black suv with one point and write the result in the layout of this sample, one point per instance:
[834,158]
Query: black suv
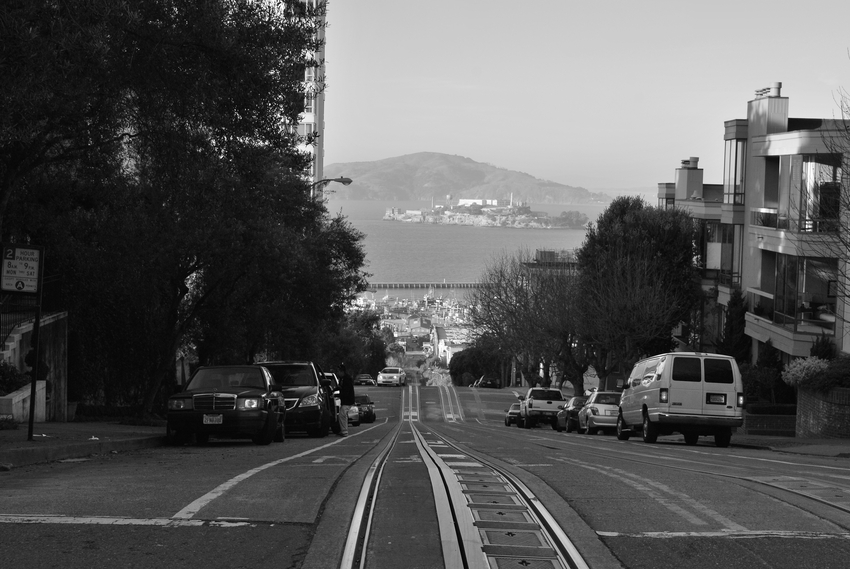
[227,401]
[308,395]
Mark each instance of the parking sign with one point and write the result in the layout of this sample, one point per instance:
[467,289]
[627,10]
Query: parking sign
[21,266]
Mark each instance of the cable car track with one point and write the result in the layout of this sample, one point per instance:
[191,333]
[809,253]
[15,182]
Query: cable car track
[486,516]
[799,486]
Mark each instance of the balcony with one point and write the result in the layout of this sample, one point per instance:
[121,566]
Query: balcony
[806,318]
[771,218]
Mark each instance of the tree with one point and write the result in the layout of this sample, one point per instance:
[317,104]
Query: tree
[150,150]
[734,341]
[637,281]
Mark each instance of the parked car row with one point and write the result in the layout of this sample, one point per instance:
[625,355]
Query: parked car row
[692,393]
[262,402]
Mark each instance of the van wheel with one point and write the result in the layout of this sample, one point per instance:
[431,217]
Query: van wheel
[691,438]
[622,433]
[723,439]
[650,431]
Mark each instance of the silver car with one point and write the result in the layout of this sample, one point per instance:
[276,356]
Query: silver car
[600,412]
[392,376]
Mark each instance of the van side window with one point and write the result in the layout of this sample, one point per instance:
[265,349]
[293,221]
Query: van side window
[718,371]
[687,369]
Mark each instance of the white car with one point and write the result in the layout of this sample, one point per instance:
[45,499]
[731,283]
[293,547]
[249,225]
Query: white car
[392,376]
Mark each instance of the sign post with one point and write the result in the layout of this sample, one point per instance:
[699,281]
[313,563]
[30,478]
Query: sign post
[23,273]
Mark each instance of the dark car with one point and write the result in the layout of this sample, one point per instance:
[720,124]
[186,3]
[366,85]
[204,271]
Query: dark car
[227,401]
[568,415]
[363,379]
[511,414]
[367,408]
[489,382]
[308,395]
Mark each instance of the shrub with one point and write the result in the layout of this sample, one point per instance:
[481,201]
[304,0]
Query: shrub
[801,371]
[836,374]
[823,348]
[11,378]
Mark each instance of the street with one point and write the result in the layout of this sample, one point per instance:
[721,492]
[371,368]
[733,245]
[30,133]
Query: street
[436,481]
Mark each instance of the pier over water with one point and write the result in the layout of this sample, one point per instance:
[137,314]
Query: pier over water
[374,287]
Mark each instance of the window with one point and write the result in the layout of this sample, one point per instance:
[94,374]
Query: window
[820,189]
[687,369]
[718,371]
[734,171]
[308,103]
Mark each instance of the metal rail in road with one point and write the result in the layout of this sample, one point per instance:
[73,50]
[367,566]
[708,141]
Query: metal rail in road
[486,516]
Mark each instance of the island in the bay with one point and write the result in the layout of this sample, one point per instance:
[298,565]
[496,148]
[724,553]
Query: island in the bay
[488,213]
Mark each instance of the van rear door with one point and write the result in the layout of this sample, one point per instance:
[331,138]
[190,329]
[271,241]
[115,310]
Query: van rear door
[686,386]
[720,387]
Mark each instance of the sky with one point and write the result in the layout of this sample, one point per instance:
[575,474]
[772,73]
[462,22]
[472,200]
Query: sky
[602,94]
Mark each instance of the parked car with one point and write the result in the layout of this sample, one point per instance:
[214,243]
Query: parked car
[568,414]
[334,381]
[354,416]
[308,393]
[227,401]
[363,379]
[392,376]
[489,382]
[366,407]
[511,414]
[539,405]
[599,412]
[691,393]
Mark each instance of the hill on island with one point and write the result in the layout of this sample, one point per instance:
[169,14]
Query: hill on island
[426,175]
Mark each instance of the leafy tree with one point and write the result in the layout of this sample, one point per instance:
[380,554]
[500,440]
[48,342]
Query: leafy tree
[637,281]
[147,146]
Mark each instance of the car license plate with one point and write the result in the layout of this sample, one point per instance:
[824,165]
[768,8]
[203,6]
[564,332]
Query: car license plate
[213,419]
[717,398]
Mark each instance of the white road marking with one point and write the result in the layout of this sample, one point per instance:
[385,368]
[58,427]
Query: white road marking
[107,521]
[189,511]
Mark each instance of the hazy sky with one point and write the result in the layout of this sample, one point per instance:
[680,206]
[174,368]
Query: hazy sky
[601,94]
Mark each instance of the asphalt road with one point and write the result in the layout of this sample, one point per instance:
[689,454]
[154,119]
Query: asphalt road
[234,504]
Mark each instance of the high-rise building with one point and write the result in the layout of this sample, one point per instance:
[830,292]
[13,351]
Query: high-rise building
[312,123]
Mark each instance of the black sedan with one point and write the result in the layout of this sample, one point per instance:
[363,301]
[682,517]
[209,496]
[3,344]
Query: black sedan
[568,415]
[227,401]
[367,408]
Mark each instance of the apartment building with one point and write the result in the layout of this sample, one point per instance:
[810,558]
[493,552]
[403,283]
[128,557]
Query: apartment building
[771,228]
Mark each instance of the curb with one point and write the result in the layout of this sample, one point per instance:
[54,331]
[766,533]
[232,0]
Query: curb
[26,456]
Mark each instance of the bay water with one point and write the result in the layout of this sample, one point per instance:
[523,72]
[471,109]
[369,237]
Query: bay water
[400,252]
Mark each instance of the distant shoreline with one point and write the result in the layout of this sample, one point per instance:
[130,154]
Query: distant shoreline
[525,220]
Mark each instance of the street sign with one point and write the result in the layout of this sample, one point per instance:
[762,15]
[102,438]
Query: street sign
[21,266]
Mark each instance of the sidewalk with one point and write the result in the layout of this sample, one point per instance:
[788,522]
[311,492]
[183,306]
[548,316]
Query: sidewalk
[60,441]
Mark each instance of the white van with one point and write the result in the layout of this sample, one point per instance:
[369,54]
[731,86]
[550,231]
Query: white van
[691,393]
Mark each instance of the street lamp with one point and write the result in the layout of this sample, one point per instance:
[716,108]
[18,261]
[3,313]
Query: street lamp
[324,182]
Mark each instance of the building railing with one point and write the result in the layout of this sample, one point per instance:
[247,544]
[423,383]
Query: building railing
[774,219]
[806,318]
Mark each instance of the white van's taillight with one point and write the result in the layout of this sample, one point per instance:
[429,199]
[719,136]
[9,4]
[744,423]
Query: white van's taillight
[741,400]
[663,396]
